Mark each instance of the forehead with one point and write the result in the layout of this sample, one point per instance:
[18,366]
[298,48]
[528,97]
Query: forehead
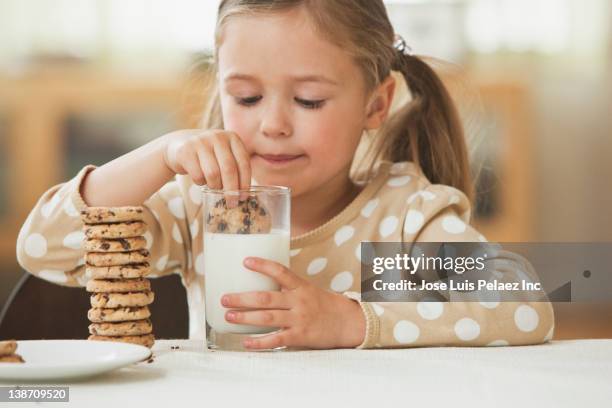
[282,44]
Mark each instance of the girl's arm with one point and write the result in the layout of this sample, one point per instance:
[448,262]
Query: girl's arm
[129,179]
[458,323]
[213,157]
[49,244]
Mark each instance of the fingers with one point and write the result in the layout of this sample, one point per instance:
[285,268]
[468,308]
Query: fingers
[208,163]
[267,318]
[256,300]
[191,165]
[216,158]
[282,338]
[228,167]
[275,270]
[244,161]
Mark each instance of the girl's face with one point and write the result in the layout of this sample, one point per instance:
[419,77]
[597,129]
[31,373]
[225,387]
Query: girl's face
[287,92]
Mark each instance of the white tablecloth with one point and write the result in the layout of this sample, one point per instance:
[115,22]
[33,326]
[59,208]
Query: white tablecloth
[574,373]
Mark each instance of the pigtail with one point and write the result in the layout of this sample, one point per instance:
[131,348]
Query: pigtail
[428,129]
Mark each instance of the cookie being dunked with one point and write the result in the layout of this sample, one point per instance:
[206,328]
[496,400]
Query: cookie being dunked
[249,216]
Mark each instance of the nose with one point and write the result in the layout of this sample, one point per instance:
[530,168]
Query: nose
[275,121]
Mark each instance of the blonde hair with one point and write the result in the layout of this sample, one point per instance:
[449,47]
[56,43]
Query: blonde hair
[426,130]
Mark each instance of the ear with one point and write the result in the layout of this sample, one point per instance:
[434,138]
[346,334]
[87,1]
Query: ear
[380,103]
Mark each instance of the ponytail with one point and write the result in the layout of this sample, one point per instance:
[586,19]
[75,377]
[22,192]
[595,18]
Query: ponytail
[428,130]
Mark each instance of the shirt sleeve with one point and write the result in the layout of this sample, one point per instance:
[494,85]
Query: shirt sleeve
[441,213]
[50,242]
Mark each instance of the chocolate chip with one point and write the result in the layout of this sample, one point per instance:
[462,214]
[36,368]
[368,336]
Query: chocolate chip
[246,220]
[124,244]
[262,211]
[222,226]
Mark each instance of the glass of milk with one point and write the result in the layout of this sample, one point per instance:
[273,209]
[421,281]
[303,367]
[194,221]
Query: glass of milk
[239,224]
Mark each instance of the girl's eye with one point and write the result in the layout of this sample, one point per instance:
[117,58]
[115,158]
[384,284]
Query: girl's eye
[308,104]
[250,101]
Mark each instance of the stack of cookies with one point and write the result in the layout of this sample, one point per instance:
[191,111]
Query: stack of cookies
[117,263]
[7,352]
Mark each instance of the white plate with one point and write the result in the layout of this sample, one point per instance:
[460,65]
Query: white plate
[62,359]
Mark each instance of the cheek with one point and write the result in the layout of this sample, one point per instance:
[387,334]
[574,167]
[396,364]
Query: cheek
[331,138]
[237,119]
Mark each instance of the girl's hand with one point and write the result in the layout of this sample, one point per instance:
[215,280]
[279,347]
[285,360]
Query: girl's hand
[310,316]
[216,158]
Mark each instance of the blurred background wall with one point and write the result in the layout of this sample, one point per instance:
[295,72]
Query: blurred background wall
[83,81]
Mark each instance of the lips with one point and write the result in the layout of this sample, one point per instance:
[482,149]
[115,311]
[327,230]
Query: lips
[280,157]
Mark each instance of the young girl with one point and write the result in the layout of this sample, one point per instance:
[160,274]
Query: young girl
[298,83]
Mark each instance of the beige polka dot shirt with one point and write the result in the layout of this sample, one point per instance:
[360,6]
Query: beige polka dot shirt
[398,204]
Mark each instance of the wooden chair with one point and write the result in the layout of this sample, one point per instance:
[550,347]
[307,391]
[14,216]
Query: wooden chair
[37,309]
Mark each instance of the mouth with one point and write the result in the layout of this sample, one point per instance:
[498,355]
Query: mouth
[279,159]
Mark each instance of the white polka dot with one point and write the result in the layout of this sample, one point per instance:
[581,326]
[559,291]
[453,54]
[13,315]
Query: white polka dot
[48,207]
[430,310]
[368,252]
[498,343]
[397,168]
[398,181]
[194,228]
[454,199]
[172,264]
[149,238]
[342,281]
[176,233]
[378,309]
[426,195]
[453,225]
[35,246]
[369,208]
[414,221]
[161,263]
[316,266]
[176,207]
[352,295]
[467,329]
[82,279]
[74,240]
[388,225]
[406,332]
[489,305]
[70,209]
[526,318]
[54,276]
[549,335]
[344,234]
[195,194]
[199,264]
[294,252]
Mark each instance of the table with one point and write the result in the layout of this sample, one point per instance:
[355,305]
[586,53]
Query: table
[562,373]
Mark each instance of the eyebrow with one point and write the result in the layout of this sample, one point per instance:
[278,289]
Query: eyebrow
[305,78]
